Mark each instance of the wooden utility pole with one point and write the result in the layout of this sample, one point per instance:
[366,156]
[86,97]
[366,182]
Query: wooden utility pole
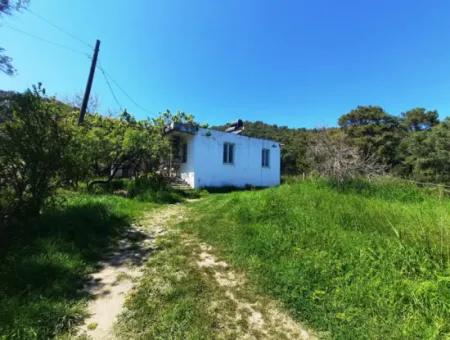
[89,83]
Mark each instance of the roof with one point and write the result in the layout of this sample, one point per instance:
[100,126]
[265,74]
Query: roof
[240,136]
[192,129]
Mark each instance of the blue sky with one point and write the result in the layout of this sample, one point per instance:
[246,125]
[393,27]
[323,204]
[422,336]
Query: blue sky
[296,63]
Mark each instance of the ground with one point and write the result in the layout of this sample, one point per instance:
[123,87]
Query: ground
[125,282]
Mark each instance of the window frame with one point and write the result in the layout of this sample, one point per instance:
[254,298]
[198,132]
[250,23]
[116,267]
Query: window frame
[265,158]
[228,153]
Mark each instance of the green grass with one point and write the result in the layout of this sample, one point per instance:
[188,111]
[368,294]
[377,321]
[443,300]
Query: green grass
[364,260]
[173,300]
[49,259]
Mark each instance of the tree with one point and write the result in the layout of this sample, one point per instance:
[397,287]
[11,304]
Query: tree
[373,131]
[419,119]
[333,157]
[428,154]
[7,7]
[33,138]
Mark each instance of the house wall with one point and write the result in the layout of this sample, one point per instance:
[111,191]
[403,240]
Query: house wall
[206,152]
[187,170]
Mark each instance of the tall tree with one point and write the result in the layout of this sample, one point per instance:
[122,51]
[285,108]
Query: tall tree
[428,153]
[373,131]
[419,119]
[7,7]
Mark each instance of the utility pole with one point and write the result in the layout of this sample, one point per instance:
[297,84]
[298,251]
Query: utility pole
[89,83]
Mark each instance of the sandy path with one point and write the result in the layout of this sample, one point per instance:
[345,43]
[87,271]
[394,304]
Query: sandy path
[263,317]
[118,274]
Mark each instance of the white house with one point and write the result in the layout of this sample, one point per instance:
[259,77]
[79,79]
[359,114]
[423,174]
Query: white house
[211,158]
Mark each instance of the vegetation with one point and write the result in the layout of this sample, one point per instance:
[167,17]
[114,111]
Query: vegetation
[360,260]
[413,145]
[353,258]
[47,262]
[42,148]
[173,300]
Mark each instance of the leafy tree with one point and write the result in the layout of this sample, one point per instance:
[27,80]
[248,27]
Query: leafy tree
[428,154]
[419,119]
[6,8]
[33,138]
[373,131]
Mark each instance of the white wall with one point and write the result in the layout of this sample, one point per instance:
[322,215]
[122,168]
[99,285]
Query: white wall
[205,161]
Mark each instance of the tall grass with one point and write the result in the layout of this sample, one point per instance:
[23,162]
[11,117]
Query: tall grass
[364,260]
[47,263]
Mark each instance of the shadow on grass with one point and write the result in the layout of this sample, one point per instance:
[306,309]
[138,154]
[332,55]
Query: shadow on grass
[43,269]
[228,189]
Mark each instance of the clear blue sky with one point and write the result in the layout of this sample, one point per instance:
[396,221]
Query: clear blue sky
[296,63]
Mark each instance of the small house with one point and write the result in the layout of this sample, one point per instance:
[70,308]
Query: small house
[210,158]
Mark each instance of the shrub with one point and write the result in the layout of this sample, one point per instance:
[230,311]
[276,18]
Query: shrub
[33,137]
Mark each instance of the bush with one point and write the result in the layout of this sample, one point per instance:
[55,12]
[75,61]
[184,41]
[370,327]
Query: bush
[33,138]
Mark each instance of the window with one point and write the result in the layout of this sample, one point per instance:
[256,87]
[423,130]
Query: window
[184,150]
[228,153]
[265,157]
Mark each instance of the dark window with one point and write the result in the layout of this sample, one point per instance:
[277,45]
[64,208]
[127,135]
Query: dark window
[228,153]
[265,157]
[184,151]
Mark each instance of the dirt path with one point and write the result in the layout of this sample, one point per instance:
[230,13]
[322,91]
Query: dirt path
[119,273]
[262,317]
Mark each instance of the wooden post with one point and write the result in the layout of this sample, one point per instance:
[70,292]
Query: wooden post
[89,83]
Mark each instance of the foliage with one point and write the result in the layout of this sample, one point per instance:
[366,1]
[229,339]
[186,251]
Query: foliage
[373,131]
[47,263]
[393,141]
[419,119]
[428,153]
[33,139]
[364,260]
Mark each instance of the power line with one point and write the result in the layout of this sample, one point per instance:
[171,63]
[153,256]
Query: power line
[124,92]
[46,40]
[59,28]
[110,88]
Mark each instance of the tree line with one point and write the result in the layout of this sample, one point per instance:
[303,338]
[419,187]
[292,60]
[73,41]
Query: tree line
[368,140]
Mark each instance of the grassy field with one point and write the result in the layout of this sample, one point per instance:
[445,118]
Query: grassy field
[48,261]
[365,260]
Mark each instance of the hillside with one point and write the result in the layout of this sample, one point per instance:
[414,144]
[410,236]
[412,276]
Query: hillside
[368,260]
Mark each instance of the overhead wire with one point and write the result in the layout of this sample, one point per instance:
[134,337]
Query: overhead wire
[32,35]
[107,76]
[111,90]
[59,28]
[124,92]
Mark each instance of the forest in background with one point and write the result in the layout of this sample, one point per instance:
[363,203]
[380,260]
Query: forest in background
[414,145]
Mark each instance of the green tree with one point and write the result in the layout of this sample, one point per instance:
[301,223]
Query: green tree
[33,138]
[373,131]
[419,119]
[427,153]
